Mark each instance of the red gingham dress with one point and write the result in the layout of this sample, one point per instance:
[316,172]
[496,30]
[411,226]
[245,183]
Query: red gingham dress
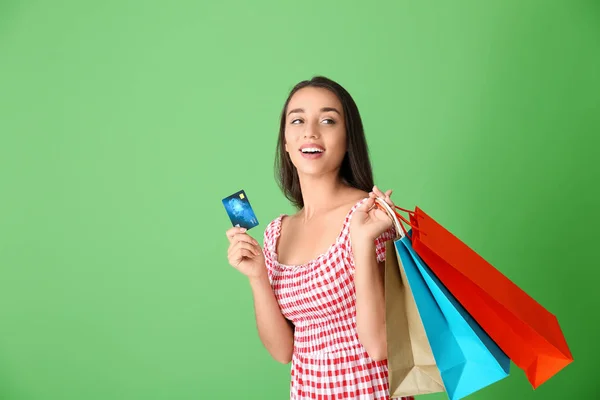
[328,361]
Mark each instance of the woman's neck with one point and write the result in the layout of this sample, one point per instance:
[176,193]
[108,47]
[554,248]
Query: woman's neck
[321,194]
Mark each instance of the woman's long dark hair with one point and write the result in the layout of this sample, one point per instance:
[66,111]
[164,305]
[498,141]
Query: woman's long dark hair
[356,168]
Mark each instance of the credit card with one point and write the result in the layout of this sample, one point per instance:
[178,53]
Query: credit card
[239,210]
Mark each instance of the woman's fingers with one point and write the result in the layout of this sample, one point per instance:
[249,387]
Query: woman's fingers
[235,235]
[241,253]
[378,192]
[253,248]
[367,205]
[231,232]
[244,237]
[236,257]
[386,196]
[242,245]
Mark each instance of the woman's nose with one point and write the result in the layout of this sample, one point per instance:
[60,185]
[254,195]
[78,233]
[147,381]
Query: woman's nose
[311,131]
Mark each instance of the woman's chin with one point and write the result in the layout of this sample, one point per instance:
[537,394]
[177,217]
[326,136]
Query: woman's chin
[314,171]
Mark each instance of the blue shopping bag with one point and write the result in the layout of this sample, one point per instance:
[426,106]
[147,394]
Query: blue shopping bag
[468,359]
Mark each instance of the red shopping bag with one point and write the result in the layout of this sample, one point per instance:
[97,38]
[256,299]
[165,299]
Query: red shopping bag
[528,333]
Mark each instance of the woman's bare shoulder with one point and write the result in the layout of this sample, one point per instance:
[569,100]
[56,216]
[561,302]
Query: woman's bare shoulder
[356,195]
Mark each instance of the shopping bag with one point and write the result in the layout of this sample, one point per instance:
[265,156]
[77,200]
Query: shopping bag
[467,359]
[466,356]
[411,366]
[528,333]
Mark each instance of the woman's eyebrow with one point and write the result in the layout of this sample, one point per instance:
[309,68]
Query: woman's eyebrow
[324,109]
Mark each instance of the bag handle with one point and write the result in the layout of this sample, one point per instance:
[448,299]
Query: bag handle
[409,212]
[396,217]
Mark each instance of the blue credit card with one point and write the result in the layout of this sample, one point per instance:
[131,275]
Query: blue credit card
[240,211]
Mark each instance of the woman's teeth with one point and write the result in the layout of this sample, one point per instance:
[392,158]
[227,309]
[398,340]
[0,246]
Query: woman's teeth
[311,150]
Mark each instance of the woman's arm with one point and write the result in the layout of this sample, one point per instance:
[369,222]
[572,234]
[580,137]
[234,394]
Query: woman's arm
[370,299]
[245,254]
[274,330]
[369,230]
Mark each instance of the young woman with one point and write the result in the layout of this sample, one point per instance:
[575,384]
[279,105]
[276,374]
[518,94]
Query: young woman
[318,282]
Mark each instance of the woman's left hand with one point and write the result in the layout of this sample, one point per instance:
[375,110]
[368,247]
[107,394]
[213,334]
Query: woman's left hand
[368,221]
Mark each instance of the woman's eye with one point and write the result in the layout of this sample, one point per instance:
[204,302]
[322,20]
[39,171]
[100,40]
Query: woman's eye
[296,121]
[329,121]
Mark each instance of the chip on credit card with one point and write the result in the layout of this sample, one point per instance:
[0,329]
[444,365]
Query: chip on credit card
[240,211]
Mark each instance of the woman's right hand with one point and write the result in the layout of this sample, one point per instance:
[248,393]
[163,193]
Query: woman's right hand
[244,253]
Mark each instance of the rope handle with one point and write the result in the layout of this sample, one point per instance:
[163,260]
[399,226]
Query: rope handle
[396,217]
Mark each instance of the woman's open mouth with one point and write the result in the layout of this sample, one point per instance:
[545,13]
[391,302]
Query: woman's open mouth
[312,151]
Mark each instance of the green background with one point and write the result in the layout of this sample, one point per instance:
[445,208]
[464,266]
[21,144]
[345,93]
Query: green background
[124,123]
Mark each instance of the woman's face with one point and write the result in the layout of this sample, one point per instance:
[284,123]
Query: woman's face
[315,131]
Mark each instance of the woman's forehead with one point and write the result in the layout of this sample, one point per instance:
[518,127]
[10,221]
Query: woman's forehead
[313,98]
